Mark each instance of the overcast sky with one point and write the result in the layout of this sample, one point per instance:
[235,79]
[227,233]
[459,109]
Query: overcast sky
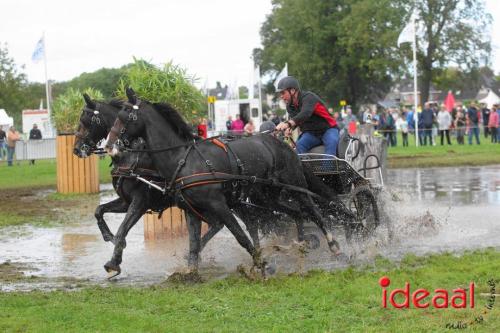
[213,39]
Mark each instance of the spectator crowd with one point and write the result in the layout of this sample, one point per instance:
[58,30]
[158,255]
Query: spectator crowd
[436,124]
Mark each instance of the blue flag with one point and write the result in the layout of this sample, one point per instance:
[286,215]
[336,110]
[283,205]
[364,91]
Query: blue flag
[39,51]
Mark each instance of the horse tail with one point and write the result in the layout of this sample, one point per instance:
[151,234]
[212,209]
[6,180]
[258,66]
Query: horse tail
[331,203]
[314,184]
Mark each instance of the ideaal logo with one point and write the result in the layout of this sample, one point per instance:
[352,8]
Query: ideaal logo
[460,298]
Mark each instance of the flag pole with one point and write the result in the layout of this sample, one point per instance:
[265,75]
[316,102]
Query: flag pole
[415,91]
[47,94]
[260,93]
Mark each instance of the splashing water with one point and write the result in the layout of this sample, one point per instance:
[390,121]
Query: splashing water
[422,211]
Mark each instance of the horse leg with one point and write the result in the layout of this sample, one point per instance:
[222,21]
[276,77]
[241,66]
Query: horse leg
[136,209]
[253,230]
[293,212]
[115,206]
[251,223]
[308,203]
[194,229]
[211,232]
[300,229]
[220,210]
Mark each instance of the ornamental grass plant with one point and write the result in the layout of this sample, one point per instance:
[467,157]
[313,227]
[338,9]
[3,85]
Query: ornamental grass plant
[68,107]
[169,83]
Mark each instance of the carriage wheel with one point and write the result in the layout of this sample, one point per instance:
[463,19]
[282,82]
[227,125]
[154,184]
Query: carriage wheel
[362,203]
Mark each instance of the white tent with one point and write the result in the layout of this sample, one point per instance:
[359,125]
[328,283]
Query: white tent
[490,99]
[5,120]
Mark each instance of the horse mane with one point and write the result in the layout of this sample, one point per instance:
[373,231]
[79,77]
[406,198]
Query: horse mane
[173,117]
[116,102]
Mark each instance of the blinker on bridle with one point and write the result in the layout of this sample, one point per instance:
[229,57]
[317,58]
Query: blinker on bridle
[132,109]
[132,116]
[95,119]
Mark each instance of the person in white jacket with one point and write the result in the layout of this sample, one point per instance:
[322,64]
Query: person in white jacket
[444,123]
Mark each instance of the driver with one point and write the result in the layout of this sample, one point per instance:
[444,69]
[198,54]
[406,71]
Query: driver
[308,112]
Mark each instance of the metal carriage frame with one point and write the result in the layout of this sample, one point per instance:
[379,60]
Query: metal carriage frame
[355,190]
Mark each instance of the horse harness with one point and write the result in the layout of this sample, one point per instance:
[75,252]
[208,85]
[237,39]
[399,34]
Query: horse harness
[238,181]
[175,187]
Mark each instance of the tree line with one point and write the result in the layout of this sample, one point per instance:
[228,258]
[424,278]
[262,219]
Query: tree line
[347,49]
[341,49]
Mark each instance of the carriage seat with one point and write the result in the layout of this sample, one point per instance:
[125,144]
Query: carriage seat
[344,141]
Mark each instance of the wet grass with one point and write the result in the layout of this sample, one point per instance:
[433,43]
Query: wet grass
[340,301]
[13,272]
[40,175]
[439,156]
[22,203]
[44,209]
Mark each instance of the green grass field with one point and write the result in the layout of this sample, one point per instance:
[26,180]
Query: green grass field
[440,156]
[340,301]
[42,174]
[20,204]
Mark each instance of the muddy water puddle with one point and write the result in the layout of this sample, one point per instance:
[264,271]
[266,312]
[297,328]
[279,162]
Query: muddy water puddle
[431,210]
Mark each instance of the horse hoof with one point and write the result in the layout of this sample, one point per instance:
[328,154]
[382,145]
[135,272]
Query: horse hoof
[112,270]
[334,246]
[312,241]
[112,274]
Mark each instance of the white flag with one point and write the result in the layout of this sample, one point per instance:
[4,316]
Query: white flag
[406,36]
[282,74]
[39,51]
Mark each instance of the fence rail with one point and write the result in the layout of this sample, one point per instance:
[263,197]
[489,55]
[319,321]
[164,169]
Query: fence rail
[35,149]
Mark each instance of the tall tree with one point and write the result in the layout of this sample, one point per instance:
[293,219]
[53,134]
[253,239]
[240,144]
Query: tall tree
[11,85]
[33,92]
[453,32]
[457,79]
[342,49]
[105,80]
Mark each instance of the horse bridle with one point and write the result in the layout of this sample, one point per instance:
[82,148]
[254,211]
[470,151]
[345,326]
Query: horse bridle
[132,110]
[88,143]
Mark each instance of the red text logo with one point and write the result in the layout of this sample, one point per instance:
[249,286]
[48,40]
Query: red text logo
[422,298]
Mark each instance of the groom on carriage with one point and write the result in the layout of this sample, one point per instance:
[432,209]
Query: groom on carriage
[309,113]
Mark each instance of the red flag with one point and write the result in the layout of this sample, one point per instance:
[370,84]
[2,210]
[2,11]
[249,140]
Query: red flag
[449,102]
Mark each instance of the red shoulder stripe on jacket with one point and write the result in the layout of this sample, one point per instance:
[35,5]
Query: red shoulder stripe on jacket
[320,110]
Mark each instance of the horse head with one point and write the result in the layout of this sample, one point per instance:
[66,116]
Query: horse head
[95,121]
[137,115]
[127,125]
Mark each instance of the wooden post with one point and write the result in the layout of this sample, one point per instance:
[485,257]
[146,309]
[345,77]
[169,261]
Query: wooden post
[172,224]
[74,174]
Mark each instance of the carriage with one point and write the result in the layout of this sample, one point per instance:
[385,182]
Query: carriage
[357,191]
[354,188]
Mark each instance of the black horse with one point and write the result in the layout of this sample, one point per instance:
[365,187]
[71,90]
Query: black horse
[203,175]
[135,197]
